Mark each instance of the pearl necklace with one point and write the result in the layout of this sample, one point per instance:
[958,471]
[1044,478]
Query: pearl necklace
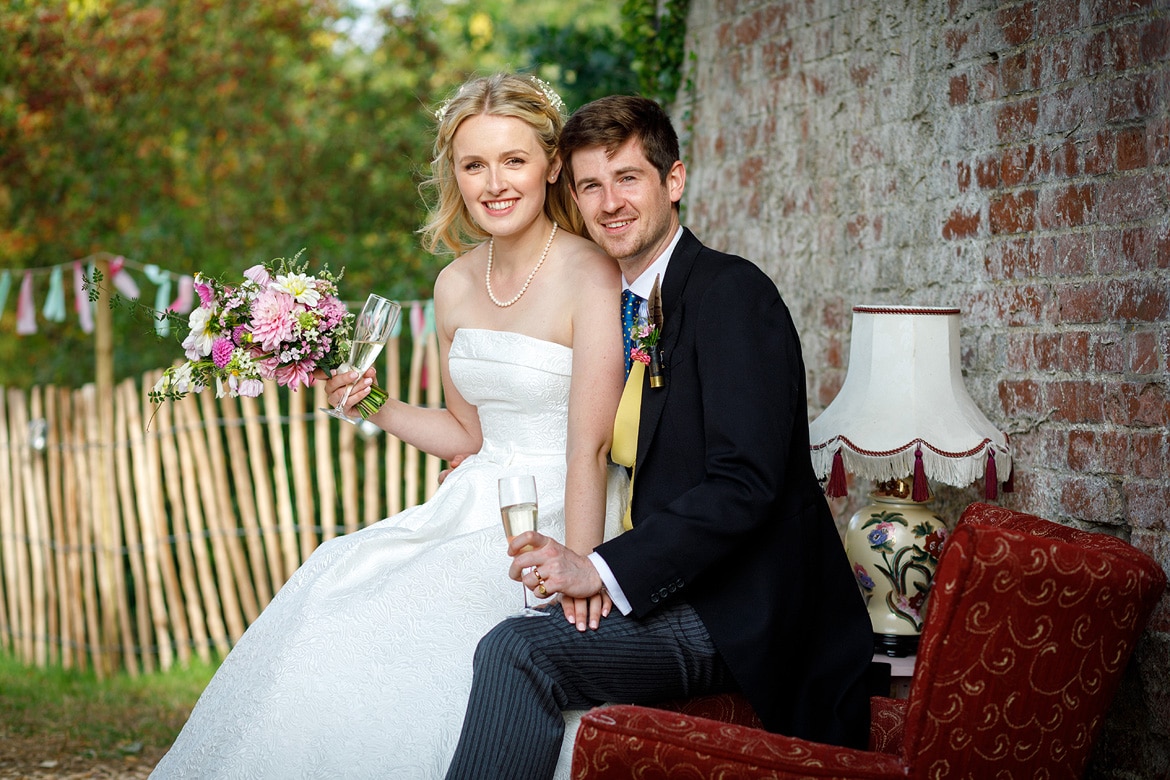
[487,277]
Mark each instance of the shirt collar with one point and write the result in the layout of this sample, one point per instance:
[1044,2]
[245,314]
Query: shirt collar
[645,283]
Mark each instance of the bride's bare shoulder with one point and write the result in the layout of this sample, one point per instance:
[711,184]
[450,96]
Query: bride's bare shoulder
[586,260]
[461,272]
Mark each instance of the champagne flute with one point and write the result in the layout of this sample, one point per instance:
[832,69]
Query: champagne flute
[518,511]
[371,330]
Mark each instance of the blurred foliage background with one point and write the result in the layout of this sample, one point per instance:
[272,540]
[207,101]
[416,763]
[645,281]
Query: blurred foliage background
[208,135]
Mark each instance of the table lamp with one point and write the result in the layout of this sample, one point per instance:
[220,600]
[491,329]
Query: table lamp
[902,418]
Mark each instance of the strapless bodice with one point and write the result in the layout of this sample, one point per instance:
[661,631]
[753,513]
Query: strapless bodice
[519,384]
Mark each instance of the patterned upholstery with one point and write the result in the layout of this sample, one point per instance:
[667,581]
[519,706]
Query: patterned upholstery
[1028,629]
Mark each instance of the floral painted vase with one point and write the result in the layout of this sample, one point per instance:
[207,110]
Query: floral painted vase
[893,545]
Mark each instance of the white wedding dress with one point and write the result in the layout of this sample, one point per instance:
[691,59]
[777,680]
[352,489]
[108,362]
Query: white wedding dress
[361,665]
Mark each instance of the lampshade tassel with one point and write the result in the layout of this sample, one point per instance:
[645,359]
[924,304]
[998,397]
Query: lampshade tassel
[836,487]
[991,478]
[1009,486]
[920,493]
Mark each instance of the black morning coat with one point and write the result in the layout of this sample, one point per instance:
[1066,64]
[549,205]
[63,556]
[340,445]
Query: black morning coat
[727,512]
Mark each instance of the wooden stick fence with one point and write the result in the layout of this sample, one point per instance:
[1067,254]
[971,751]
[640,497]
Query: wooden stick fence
[163,541]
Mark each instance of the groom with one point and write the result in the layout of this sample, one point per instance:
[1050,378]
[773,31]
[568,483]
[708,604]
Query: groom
[733,577]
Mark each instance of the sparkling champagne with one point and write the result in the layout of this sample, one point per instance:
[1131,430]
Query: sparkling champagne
[371,329]
[518,518]
[363,354]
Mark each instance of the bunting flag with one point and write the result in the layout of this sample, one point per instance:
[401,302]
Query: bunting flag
[81,301]
[418,321]
[428,329]
[26,315]
[54,308]
[418,328]
[162,298]
[429,316]
[421,314]
[186,299]
[122,280]
[5,286]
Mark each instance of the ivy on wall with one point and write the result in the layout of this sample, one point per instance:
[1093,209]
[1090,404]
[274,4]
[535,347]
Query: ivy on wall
[657,37]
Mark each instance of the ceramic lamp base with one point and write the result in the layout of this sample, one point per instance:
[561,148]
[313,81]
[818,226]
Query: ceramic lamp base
[893,545]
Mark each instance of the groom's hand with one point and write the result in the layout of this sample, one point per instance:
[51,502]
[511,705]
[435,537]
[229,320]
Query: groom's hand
[451,466]
[546,566]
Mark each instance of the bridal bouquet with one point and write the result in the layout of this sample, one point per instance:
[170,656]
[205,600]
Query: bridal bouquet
[277,323]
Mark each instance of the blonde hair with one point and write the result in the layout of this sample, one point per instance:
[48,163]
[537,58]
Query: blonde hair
[524,97]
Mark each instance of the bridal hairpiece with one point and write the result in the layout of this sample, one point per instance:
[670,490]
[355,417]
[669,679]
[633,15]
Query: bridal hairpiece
[550,95]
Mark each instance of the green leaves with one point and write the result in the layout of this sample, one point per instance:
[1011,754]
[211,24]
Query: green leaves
[209,135]
[658,41]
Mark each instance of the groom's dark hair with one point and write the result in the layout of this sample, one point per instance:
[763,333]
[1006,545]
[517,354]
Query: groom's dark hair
[611,121]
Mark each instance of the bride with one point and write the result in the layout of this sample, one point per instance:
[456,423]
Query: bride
[361,665]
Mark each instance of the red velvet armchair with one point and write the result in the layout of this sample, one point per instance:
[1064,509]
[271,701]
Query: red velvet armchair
[1028,629]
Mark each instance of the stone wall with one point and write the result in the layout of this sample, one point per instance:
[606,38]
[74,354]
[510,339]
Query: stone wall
[1008,158]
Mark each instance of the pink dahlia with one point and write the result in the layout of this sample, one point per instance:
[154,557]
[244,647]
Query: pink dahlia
[273,318]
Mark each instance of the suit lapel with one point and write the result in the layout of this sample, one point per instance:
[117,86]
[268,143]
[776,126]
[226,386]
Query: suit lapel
[654,399]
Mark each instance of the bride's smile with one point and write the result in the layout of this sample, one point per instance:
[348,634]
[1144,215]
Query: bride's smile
[502,173]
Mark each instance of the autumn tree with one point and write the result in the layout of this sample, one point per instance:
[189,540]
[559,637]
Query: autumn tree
[208,135]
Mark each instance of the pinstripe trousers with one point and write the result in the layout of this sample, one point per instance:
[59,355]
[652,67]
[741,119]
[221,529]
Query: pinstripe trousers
[529,669]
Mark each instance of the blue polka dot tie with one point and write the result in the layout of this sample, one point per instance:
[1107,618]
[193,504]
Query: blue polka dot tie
[630,304]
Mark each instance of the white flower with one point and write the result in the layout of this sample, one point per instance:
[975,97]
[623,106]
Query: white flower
[199,340]
[301,287]
[178,381]
[163,383]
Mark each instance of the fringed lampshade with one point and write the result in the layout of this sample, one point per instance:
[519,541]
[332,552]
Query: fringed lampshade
[904,409]
[902,417]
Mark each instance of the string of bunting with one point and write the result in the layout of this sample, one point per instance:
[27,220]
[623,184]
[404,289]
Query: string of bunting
[173,292]
[54,308]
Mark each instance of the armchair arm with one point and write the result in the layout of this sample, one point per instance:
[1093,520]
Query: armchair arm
[723,707]
[887,724]
[623,741]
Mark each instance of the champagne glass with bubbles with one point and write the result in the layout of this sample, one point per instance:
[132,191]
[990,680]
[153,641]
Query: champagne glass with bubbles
[518,510]
[371,330]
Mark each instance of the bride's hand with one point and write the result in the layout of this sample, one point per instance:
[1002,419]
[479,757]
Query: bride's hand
[335,386]
[587,612]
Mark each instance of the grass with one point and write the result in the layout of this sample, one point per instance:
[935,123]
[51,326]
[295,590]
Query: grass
[69,714]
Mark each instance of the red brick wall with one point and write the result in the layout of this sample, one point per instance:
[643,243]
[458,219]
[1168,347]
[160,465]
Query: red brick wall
[1008,158]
